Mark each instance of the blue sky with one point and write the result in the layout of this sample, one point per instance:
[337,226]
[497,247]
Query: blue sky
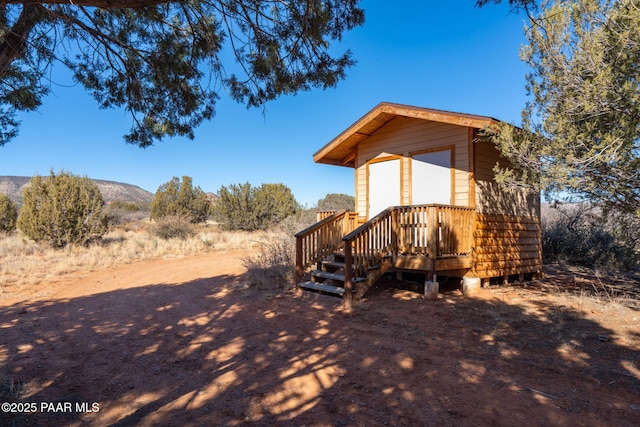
[444,55]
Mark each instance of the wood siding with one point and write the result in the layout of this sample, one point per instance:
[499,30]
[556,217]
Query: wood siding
[505,245]
[490,199]
[507,238]
[403,136]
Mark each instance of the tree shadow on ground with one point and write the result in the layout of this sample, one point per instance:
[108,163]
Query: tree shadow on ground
[202,353]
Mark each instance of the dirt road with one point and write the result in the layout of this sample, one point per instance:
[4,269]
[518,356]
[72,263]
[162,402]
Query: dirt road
[184,343]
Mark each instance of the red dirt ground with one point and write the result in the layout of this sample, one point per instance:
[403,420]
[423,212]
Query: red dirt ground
[186,343]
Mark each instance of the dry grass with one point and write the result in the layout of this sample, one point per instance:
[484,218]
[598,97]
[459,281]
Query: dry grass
[23,262]
[272,264]
[9,387]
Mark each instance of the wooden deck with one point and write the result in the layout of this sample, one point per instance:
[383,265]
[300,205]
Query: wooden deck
[432,239]
[428,238]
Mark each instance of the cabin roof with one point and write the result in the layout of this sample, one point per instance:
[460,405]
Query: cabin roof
[341,150]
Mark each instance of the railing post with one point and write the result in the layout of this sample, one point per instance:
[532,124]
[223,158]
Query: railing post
[395,225]
[299,263]
[432,232]
[345,225]
[348,273]
[432,237]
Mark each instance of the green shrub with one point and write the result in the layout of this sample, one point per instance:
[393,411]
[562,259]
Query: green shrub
[182,199]
[586,236]
[337,202]
[243,207]
[62,209]
[8,214]
[173,227]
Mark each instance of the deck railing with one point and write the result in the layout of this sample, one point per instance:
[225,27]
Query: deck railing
[372,241]
[435,230]
[320,215]
[427,230]
[321,239]
[432,231]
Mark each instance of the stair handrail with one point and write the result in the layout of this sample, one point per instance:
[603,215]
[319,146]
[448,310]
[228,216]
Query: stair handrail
[367,245]
[385,242]
[319,240]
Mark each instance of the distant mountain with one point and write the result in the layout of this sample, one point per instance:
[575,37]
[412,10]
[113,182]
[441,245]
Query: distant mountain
[12,186]
[212,198]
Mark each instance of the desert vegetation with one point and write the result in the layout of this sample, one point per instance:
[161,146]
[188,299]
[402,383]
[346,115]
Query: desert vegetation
[8,214]
[25,262]
[61,209]
[244,355]
[173,226]
[180,199]
[245,207]
[587,236]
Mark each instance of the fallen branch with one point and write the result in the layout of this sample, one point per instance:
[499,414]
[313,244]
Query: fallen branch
[551,396]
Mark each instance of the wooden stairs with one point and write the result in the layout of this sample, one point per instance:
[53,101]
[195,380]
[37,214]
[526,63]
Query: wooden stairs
[329,278]
[350,255]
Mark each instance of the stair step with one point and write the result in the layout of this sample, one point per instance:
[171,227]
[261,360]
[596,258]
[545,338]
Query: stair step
[333,264]
[328,275]
[334,276]
[321,287]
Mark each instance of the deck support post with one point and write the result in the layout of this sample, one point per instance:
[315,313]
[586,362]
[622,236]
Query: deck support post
[394,231]
[432,232]
[348,274]
[432,239]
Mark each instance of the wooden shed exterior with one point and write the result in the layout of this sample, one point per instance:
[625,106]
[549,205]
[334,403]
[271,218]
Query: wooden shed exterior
[426,200]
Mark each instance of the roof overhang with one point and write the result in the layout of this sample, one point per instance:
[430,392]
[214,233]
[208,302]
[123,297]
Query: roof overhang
[341,150]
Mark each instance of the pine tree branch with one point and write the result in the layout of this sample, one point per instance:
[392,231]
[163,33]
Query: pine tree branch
[104,4]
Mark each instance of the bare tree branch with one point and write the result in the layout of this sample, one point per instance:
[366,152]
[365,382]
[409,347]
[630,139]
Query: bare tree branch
[13,43]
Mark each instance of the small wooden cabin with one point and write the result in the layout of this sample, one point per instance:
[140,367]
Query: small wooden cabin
[426,201]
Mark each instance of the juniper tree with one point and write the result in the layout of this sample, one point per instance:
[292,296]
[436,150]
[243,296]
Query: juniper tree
[62,209]
[165,62]
[8,214]
[580,133]
[176,198]
[336,202]
[244,207]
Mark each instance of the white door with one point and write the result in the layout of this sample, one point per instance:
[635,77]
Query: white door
[431,178]
[384,185]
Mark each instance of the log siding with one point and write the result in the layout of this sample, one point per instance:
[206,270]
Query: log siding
[505,245]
